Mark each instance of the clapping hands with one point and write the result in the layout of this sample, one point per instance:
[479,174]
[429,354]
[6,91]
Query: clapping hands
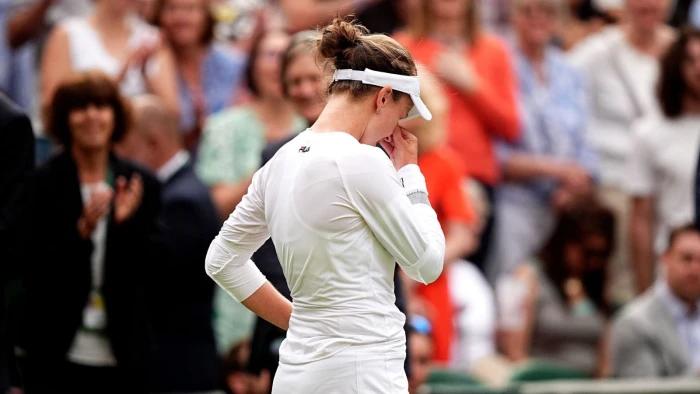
[126,198]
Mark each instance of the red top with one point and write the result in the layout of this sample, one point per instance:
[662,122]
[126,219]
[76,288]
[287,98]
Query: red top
[443,178]
[476,118]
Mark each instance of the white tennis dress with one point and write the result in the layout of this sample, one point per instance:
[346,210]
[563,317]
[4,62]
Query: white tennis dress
[339,215]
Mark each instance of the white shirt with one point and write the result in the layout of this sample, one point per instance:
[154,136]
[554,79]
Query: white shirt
[91,346]
[339,218]
[603,58]
[172,166]
[87,52]
[663,163]
[475,309]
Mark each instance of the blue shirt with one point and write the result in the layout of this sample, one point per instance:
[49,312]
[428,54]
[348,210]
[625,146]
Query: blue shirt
[222,72]
[17,67]
[553,114]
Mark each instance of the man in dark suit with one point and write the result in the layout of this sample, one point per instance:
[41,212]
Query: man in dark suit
[16,162]
[185,357]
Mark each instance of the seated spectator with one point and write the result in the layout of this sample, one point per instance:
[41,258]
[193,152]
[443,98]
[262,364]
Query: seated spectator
[420,347]
[88,250]
[665,153]
[444,179]
[233,139]
[114,40]
[479,84]
[185,357]
[208,74]
[550,166]
[658,334]
[475,316]
[555,305]
[621,68]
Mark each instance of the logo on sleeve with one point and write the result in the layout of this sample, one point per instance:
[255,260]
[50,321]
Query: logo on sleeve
[304,149]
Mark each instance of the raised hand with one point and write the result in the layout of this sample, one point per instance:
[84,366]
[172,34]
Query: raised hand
[454,68]
[127,197]
[402,147]
[93,211]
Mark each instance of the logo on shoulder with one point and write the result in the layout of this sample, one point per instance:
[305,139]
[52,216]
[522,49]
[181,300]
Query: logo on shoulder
[304,149]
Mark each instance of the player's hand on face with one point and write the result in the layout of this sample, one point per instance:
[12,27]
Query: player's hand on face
[402,147]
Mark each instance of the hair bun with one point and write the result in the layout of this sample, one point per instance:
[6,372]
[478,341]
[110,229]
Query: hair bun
[339,36]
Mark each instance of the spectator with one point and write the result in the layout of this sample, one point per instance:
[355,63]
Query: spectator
[444,180]
[479,84]
[621,67]
[208,74]
[658,334]
[582,19]
[550,165]
[94,216]
[474,316]
[185,359]
[665,151]
[233,139]
[114,40]
[420,346]
[16,163]
[561,309]
[310,14]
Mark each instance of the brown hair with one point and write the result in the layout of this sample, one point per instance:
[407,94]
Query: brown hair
[80,91]
[209,20]
[345,44]
[678,231]
[672,87]
[587,218]
[423,24]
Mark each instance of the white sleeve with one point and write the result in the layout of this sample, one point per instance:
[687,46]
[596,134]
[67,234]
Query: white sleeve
[228,259]
[640,167]
[395,206]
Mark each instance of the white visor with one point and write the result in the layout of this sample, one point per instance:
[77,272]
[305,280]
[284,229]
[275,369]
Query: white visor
[403,83]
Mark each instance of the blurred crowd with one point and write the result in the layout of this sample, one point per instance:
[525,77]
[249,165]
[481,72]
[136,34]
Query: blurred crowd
[561,160]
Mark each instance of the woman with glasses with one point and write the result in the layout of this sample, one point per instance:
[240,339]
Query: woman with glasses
[233,140]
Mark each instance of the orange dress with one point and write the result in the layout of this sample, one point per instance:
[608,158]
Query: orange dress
[477,118]
[443,177]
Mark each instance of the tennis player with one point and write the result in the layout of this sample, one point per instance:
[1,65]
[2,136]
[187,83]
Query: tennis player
[340,212]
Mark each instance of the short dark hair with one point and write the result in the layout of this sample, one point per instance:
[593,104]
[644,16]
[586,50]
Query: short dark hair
[671,87]
[209,21]
[80,91]
[678,231]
